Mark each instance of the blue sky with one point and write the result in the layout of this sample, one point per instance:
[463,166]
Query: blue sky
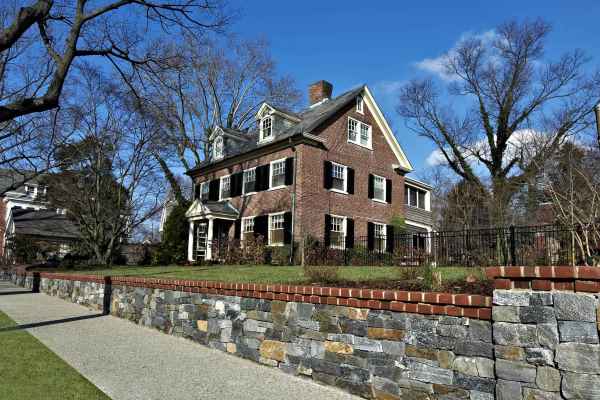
[350,42]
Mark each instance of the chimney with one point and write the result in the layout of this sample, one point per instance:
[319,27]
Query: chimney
[319,91]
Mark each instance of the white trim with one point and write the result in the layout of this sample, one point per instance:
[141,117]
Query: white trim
[384,189]
[360,101]
[387,131]
[345,191]
[221,198]
[261,138]
[244,183]
[260,112]
[271,174]
[359,125]
[419,225]
[222,153]
[269,228]
[345,231]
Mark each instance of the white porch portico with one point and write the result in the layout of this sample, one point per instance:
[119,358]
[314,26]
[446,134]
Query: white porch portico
[209,221]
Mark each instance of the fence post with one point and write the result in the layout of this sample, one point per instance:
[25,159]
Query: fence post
[513,246]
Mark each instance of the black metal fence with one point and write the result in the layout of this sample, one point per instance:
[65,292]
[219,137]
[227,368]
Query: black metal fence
[525,245]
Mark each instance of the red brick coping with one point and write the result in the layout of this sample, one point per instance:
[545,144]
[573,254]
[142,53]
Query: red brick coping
[578,279]
[456,305]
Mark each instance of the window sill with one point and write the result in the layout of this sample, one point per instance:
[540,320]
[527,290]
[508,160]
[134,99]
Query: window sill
[225,199]
[276,244]
[417,208]
[380,201]
[248,194]
[276,188]
[338,191]
[267,140]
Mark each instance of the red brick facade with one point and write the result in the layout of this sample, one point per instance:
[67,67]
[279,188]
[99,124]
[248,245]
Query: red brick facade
[313,201]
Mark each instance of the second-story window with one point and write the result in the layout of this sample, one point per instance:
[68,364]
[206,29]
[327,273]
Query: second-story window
[225,187]
[414,197]
[250,181]
[277,174]
[218,148]
[204,191]
[266,128]
[378,188]
[338,177]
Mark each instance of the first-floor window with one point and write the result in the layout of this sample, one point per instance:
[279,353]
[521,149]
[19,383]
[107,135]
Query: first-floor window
[276,223]
[225,187]
[338,232]
[378,188]
[247,228]
[380,237]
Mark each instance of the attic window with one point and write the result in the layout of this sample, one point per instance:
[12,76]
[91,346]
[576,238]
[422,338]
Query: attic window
[266,128]
[359,104]
[218,148]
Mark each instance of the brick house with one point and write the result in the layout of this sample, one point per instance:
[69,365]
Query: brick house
[334,171]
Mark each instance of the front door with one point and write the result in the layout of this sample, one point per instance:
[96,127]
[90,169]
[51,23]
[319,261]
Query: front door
[201,239]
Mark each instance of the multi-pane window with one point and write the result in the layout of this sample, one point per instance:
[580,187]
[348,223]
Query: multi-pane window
[414,197]
[359,133]
[225,187]
[338,177]
[204,191]
[359,104]
[276,233]
[266,128]
[247,227]
[378,188]
[380,237]
[218,147]
[338,232]
[278,173]
[250,181]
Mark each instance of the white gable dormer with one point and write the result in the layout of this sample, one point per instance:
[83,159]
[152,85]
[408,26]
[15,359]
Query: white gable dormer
[217,142]
[272,121]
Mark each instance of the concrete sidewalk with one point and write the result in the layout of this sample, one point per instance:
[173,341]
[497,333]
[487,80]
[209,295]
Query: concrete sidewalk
[131,362]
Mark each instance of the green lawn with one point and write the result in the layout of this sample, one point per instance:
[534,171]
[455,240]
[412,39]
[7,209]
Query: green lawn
[29,370]
[271,274]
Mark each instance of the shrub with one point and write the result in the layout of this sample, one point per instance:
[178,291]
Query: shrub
[174,243]
[322,273]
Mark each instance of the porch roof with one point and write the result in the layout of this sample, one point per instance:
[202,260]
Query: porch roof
[216,209]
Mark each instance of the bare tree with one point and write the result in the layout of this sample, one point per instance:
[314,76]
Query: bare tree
[58,33]
[109,182]
[520,108]
[211,84]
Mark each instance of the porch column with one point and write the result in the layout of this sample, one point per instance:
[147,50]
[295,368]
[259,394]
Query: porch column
[191,242]
[209,238]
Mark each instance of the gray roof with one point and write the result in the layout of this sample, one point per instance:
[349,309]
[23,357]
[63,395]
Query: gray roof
[221,207]
[46,223]
[310,119]
[13,180]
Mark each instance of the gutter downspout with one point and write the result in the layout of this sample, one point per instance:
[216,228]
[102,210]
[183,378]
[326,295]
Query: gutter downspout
[293,201]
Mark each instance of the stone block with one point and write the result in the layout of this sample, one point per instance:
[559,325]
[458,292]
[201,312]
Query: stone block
[477,395]
[535,394]
[474,366]
[548,379]
[508,390]
[548,335]
[445,359]
[450,392]
[359,314]
[508,334]
[474,349]
[581,386]
[273,350]
[539,356]
[421,352]
[325,367]
[387,334]
[385,385]
[338,347]
[475,383]
[537,315]
[393,348]
[513,353]
[575,307]
[453,331]
[353,327]
[578,357]
[415,385]
[578,331]
[202,325]
[511,298]
[506,314]
[515,371]
[541,299]
[480,331]
[231,347]
[305,310]
[427,373]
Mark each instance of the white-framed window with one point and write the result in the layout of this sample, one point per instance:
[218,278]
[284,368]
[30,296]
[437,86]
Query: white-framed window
[225,187]
[359,104]
[379,188]
[380,238]
[415,197]
[339,177]
[277,172]
[218,147]
[359,133]
[247,227]
[337,232]
[249,184]
[266,128]
[276,229]
[204,191]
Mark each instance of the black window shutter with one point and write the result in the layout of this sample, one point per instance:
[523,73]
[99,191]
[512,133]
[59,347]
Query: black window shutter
[371,186]
[327,178]
[350,180]
[287,228]
[236,184]
[370,235]
[237,233]
[327,235]
[388,191]
[349,233]
[261,226]
[389,241]
[196,190]
[262,177]
[213,189]
[289,170]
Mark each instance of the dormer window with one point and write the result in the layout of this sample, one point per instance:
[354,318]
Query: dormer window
[359,104]
[218,148]
[266,128]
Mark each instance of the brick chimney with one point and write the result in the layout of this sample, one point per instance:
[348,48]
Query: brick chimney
[319,91]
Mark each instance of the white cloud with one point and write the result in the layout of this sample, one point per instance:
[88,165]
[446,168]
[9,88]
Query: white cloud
[436,65]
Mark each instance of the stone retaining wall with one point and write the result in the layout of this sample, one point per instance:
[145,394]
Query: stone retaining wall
[539,345]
